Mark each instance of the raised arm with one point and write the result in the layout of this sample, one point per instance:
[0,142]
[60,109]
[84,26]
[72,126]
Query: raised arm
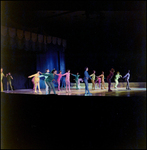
[31,76]
[64,74]
[45,74]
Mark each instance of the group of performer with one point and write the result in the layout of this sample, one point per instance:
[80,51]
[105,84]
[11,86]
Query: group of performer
[50,77]
[9,78]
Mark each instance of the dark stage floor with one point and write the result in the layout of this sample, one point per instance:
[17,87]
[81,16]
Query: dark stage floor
[38,121]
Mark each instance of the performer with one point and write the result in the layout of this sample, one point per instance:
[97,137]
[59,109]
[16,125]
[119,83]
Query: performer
[49,79]
[102,80]
[109,77]
[76,79]
[67,80]
[98,81]
[47,72]
[127,76]
[36,81]
[33,83]
[86,77]
[2,75]
[59,78]
[9,77]
[93,80]
[80,79]
[117,76]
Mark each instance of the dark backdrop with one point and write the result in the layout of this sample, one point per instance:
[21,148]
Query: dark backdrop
[113,43]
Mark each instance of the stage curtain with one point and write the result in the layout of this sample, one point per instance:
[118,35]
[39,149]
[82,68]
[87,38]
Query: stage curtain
[34,37]
[49,39]
[12,32]
[51,59]
[27,35]
[64,43]
[44,39]
[40,38]
[20,34]
[54,39]
[4,30]
[59,41]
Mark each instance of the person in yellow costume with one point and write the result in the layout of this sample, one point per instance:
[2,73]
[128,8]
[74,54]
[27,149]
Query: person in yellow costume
[2,75]
[93,80]
[36,81]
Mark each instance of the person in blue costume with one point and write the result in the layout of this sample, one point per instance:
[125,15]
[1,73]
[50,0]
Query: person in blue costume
[86,77]
[76,79]
[49,79]
[127,76]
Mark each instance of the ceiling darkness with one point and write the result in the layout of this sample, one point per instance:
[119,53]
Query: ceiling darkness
[61,17]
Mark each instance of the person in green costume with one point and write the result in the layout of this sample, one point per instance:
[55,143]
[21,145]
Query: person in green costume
[117,76]
[76,79]
[49,79]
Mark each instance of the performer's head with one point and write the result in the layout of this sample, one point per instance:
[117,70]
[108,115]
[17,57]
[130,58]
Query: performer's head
[77,73]
[60,71]
[86,68]
[54,71]
[94,71]
[68,70]
[128,71]
[9,73]
[1,69]
[47,70]
[112,70]
[38,71]
[117,72]
[102,72]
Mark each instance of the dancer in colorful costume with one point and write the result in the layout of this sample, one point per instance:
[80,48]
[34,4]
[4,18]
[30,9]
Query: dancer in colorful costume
[49,79]
[127,76]
[98,81]
[36,81]
[86,77]
[59,78]
[117,76]
[93,80]
[109,77]
[47,72]
[79,80]
[9,77]
[76,79]
[67,80]
[102,80]
[2,75]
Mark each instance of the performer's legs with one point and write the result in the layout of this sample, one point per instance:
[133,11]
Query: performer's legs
[7,86]
[116,83]
[77,85]
[102,85]
[52,86]
[35,87]
[49,87]
[58,85]
[46,87]
[39,87]
[109,85]
[1,86]
[11,85]
[85,86]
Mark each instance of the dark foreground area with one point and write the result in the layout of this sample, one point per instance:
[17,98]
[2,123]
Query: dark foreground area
[53,121]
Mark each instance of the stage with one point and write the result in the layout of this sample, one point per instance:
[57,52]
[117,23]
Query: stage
[81,92]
